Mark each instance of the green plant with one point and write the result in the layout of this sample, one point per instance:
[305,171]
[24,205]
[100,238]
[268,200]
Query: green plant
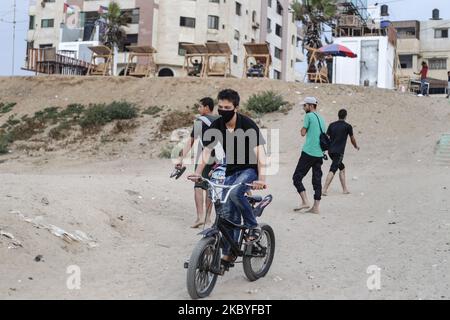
[265,102]
[48,114]
[6,107]
[5,140]
[121,110]
[72,110]
[100,114]
[96,115]
[314,13]
[11,122]
[116,20]
[26,129]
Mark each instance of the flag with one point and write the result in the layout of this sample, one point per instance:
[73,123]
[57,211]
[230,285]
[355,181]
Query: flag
[68,10]
[102,9]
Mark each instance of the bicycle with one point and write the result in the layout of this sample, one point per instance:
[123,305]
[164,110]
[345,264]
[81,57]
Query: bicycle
[205,265]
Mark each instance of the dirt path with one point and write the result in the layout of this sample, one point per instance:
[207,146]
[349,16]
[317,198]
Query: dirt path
[397,218]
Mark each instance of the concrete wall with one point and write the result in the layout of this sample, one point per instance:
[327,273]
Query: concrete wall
[430,47]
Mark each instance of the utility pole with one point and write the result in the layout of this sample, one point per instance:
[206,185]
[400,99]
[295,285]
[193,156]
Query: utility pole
[14,38]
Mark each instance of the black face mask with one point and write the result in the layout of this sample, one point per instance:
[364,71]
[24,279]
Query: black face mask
[227,115]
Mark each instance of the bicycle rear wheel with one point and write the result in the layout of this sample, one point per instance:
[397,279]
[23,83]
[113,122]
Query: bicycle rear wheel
[259,257]
[200,280]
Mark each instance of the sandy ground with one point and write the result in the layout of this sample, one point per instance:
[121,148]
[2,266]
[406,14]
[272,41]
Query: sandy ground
[137,219]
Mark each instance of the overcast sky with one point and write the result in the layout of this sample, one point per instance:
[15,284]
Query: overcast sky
[398,10]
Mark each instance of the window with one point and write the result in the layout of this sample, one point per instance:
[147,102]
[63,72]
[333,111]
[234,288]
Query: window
[213,22]
[278,53]
[293,40]
[277,74]
[406,32]
[269,25]
[441,33]
[132,16]
[31,25]
[254,16]
[238,9]
[279,8]
[278,30]
[269,3]
[30,45]
[130,40]
[215,1]
[187,22]
[44,46]
[48,1]
[292,63]
[235,59]
[406,61]
[47,23]
[437,64]
[237,35]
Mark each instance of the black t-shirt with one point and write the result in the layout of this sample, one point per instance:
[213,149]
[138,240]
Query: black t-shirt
[238,145]
[338,132]
[199,128]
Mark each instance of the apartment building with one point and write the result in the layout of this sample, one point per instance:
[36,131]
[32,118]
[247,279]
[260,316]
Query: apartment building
[424,41]
[167,24]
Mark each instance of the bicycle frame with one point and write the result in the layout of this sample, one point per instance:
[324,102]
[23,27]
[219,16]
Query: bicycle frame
[221,226]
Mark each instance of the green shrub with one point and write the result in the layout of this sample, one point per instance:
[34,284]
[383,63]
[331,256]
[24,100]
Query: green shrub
[11,122]
[6,107]
[26,129]
[265,102]
[101,114]
[47,115]
[72,110]
[122,110]
[5,140]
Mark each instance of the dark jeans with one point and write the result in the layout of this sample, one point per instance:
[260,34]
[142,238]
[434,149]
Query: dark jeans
[305,163]
[337,162]
[424,87]
[237,205]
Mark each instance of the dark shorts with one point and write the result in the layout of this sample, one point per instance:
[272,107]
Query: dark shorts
[336,163]
[203,185]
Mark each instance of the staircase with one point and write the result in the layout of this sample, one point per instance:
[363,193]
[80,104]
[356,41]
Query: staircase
[443,150]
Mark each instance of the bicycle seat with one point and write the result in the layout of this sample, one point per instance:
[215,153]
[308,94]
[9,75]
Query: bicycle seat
[254,199]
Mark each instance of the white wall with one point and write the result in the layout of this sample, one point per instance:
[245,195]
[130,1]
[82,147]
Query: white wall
[347,70]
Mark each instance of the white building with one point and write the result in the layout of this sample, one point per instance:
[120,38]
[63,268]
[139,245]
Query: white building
[166,24]
[373,66]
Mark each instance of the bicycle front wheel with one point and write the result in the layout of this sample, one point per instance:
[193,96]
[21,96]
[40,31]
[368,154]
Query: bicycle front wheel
[200,279]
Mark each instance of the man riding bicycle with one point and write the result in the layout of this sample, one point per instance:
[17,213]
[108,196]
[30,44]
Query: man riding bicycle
[245,156]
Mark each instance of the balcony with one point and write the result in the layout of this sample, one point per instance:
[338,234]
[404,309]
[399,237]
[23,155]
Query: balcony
[408,46]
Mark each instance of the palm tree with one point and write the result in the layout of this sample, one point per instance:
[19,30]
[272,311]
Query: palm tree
[313,13]
[115,34]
